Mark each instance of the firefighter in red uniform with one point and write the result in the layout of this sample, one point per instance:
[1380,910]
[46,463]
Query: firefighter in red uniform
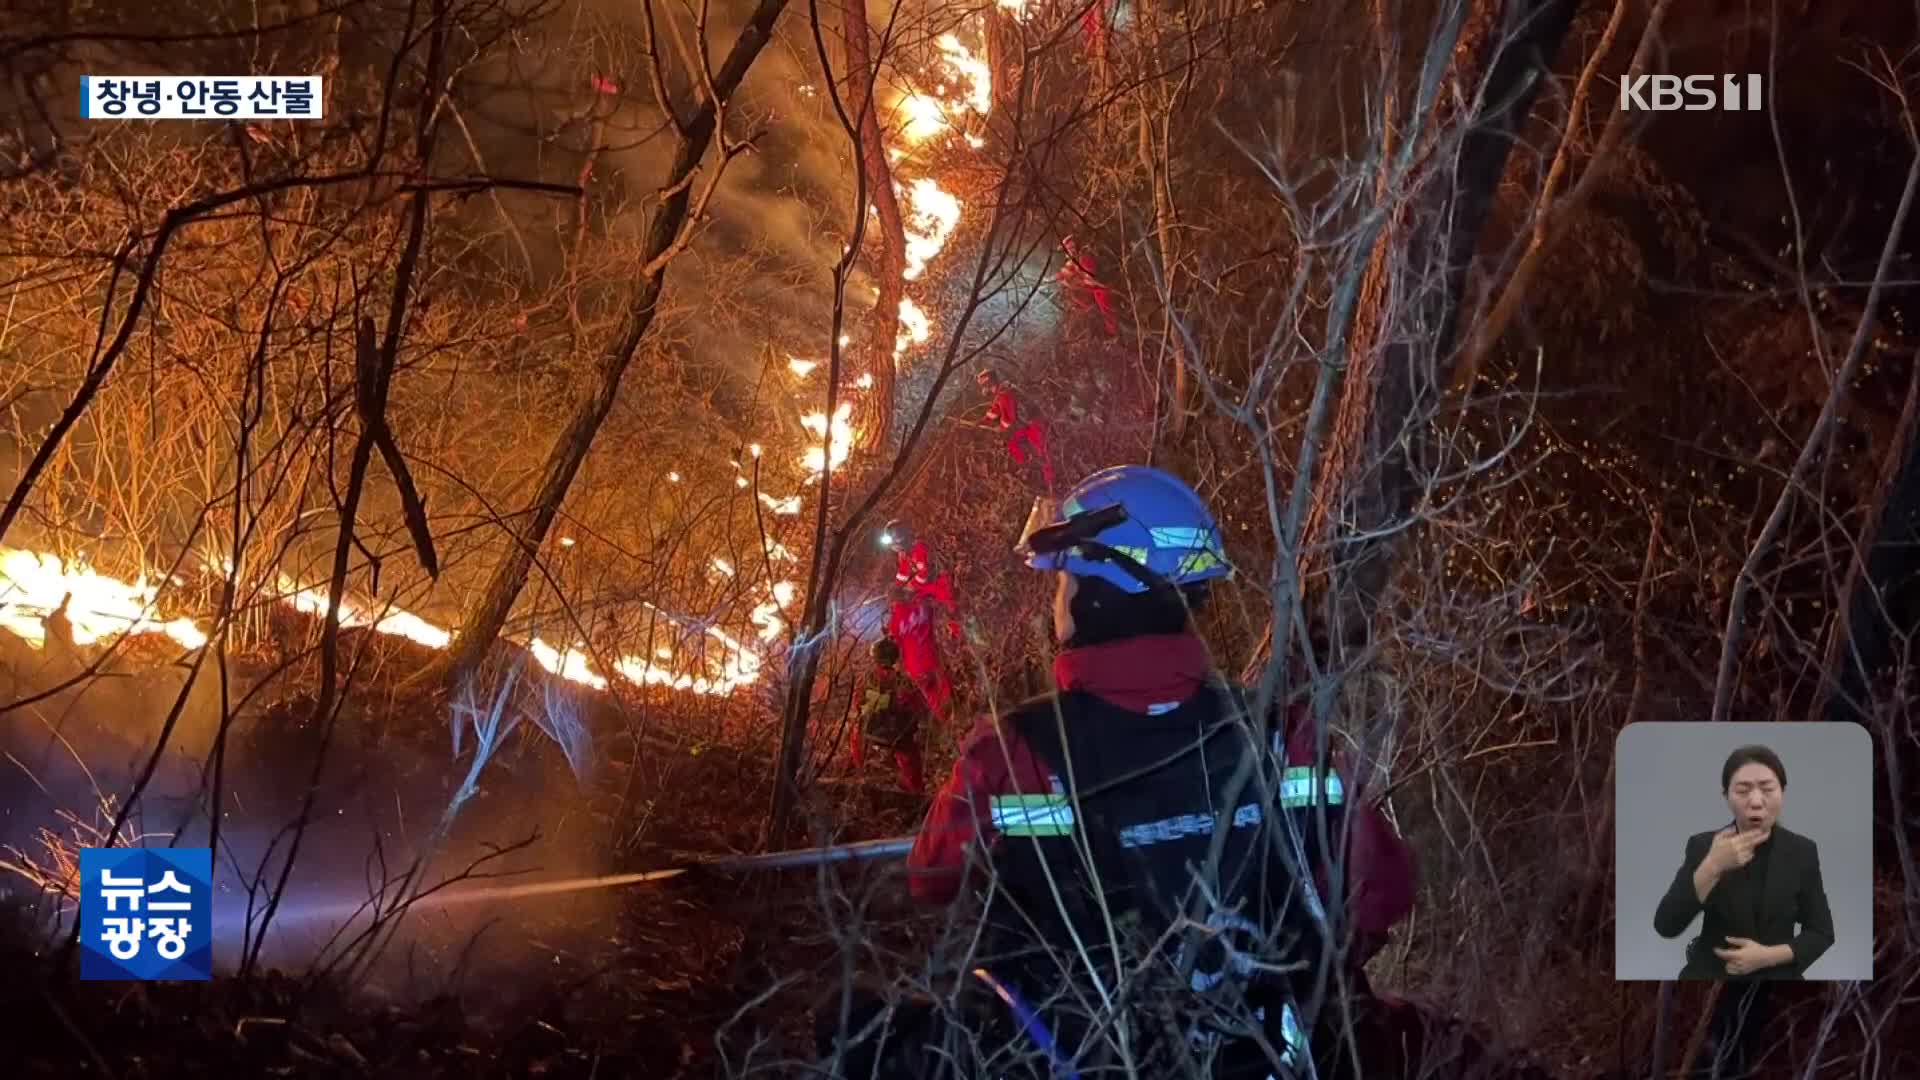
[919,598]
[1005,411]
[1139,810]
[892,712]
[1077,276]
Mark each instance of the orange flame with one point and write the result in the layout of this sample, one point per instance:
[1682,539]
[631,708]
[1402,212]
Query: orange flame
[786,507]
[33,584]
[972,70]
[839,444]
[915,327]
[921,117]
[931,217]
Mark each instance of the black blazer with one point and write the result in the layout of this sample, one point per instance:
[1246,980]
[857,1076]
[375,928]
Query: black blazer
[1742,905]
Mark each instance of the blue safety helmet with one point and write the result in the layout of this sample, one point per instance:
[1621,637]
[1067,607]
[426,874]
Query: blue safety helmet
[1130,525]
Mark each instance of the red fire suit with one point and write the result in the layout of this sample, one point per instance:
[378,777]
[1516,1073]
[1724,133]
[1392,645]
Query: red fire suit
[1088,293]
[1005,411]
[911,623]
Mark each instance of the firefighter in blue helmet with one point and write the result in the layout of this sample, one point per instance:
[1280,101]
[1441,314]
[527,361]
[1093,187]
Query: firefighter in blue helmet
[1152,898]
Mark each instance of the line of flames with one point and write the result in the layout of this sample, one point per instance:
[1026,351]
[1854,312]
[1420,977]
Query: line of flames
[99,607]
[929,216]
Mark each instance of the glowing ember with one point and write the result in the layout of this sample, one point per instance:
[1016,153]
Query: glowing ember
[931,217]
[786,507]
[32,585]
[722,566]
[864,382]
[915,328]
[840,443]
[802,368]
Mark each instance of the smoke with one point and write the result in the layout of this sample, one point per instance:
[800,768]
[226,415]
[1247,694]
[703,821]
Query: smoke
[383,797]
[759,272]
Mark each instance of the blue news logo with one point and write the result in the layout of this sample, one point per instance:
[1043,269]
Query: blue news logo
[146,913]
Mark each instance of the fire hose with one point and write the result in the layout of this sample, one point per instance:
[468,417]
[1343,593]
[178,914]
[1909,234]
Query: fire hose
[891,848]
[863,850]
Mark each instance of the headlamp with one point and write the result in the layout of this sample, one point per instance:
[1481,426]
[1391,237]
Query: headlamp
[1046,534]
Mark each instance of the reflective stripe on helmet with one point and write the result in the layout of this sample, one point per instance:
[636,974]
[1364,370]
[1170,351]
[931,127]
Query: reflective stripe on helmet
[1183,536]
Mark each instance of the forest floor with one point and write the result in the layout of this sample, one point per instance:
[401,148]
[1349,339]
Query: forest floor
[657,979]
[698,975]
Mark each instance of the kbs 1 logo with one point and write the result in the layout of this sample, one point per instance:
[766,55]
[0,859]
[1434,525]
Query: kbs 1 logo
[1692,93]
[146,913]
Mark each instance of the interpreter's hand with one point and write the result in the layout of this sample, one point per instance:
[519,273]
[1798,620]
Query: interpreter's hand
[1732,850]
[1745,956]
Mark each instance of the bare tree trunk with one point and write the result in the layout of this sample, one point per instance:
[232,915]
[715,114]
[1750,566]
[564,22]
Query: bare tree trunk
[1593,892]
[1155,157]
[1874,628]
[1405,325]
[1861,640]
[883,323]
[1550,217]
[1817,440]
[667,234]
[373,373]
[1006,59]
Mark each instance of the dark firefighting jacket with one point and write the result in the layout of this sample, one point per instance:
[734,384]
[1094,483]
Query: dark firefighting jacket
[1098,803]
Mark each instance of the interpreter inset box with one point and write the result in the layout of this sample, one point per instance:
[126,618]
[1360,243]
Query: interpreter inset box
[1743,851]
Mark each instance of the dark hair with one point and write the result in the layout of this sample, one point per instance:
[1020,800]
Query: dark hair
[1104,612]
[1752,755]
[886,652]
